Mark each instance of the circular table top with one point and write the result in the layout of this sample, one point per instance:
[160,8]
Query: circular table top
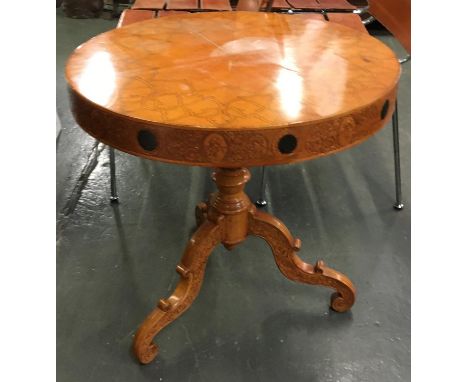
[231,89]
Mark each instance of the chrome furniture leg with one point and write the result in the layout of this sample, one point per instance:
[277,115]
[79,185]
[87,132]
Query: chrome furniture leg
[396,155]
[261,201]
[405,59]
[114,198]
[368,20]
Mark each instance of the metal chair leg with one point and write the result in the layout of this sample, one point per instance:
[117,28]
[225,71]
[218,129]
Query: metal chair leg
[368,20]
[404,59]
[261,201]
[396,155]
[114,198]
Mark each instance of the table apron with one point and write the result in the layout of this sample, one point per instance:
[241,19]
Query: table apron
[232,148]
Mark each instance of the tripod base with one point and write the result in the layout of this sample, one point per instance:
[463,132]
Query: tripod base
[228,218]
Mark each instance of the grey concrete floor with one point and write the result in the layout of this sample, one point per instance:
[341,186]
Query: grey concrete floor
[249,323]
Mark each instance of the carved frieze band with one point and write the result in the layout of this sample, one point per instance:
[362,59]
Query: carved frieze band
[230,148]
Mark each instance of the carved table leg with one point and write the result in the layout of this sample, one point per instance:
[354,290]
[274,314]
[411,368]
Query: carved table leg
[191,270]
[228,218]
[284,249]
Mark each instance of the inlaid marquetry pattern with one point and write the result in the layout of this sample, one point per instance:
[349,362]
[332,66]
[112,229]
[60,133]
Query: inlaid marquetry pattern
[221,89]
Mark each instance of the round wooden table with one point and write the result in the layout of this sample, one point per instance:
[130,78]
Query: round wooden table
[232,90]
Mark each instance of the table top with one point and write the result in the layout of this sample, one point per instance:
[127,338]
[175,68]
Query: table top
[231,89]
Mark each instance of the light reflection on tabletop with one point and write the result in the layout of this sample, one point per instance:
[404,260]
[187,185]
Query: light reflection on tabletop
[98,79]
[232,71]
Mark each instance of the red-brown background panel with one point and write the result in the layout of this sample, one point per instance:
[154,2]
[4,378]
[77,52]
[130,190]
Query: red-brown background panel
[336,4]
[217,5]
[349,19]
[148,4]
[182,4]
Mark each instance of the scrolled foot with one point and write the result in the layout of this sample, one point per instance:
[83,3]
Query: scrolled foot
[285,249]
[146,354]
[339,304]
[343,299]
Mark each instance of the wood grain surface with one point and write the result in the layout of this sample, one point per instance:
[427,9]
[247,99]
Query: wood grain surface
[227,89]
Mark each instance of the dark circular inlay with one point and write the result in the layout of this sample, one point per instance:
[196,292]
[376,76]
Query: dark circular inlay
[287,144]
[147,140]
[384,111]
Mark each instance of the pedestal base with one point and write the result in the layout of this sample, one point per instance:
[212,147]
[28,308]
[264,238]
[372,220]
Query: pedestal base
[228,218]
